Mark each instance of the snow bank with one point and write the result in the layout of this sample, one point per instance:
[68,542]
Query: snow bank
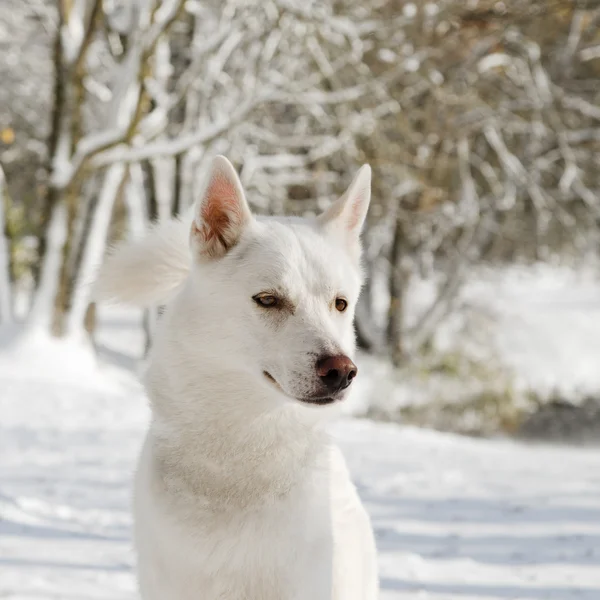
[518,336]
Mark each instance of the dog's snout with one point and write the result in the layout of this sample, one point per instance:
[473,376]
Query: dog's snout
[336,372]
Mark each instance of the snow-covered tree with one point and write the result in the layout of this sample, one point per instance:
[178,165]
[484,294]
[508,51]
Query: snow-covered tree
[491,152]
[480,120]
[164,85]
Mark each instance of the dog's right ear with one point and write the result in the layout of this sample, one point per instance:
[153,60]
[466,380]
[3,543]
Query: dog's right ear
[222,212]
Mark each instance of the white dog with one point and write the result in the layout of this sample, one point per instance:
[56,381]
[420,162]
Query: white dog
[240,493]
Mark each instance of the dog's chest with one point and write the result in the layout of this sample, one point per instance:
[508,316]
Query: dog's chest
[264,551]
[270,552]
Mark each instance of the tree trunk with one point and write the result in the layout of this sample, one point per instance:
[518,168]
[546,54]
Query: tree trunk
[66,131]
[48,199]
[150,187]
[42,308]
[5,279]
[90,320]
[73,199]
[398,282]
[94,242]
[368,337]
[177,199]
[135,200]
[163,176]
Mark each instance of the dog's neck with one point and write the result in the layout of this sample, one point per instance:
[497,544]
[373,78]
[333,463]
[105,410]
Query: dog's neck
[222,440]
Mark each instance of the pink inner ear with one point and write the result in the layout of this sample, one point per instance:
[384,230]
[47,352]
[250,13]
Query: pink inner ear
[221,207]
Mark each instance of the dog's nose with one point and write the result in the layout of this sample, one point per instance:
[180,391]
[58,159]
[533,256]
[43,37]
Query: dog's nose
[336,372]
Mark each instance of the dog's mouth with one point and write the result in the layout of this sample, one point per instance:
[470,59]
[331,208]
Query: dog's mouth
[317,401]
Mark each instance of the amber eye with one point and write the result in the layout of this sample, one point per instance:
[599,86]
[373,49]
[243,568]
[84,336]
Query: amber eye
[341,304]
[266,300]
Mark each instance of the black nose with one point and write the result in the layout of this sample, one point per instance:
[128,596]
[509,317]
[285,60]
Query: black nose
[336,372]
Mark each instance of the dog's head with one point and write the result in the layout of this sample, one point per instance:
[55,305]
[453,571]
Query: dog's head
[266,304]
[278,295]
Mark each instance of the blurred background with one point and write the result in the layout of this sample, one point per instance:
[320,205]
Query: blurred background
[481,120]
[481,309]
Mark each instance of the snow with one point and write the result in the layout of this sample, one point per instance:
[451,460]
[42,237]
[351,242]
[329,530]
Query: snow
[464,518]
[455,518]
[546,325]
[528,333]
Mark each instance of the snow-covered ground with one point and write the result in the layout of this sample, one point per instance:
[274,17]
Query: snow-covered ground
[543,323]
[520,334]
[456,518]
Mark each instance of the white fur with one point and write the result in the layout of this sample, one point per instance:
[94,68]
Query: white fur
[240,494]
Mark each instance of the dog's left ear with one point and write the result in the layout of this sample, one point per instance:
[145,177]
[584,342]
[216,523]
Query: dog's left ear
[221,214]
[346,215]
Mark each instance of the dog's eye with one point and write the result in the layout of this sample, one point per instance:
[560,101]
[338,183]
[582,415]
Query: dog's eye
[266,300]
[341,304]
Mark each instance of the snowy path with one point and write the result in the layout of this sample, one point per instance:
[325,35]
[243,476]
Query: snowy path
[474,519]
[455,518]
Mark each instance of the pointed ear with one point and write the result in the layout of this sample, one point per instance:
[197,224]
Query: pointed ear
[221,214]
[347,214]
